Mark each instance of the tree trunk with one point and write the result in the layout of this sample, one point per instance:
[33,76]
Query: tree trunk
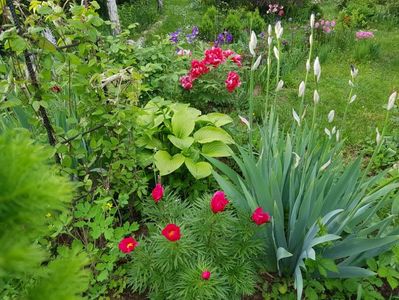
[160,5]
[113,16]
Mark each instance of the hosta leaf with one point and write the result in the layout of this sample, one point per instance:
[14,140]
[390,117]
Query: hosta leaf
[182,123]
[182,143]
[217,119]
[209,134]
[167,164]
[216,149]
[198,169]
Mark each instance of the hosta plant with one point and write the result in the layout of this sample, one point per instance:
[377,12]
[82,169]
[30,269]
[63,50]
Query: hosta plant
[205,250]
[177,134]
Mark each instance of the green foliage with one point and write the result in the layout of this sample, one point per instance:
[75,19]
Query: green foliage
[142,12]
[321,207]
[226,244]
[233,23]
[208,25]
[172,131]
[255,21]
[366,50]
[30,190]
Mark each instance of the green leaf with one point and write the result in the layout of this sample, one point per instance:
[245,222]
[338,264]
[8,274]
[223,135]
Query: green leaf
[182,143]
[182,123]
[167,164]
[217,119]
[198,169]
[216,149]
[209,134]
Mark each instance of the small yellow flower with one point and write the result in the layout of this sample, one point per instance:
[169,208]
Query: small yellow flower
[48,215]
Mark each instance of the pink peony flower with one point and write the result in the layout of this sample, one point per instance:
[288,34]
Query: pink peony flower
[198,68]
[186,82]
[237,60]
[333,23]
[232,81]
[214,56]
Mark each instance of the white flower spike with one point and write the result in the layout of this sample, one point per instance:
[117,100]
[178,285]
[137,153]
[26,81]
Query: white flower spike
[256,64]
[337,136]
[307,65]
[354,72]
[269,30]
[316,97]
[312,19]
[311,39]
[252,43]
[269,41]
[353,98]
[296,117]
[378,136]
[278,29]
[351,84]
[301,90]
[327,131]
[276,53]
[391,100]
[280,86]
[331,116]
[317,68]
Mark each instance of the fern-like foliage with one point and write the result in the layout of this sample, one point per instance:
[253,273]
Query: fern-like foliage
[30,189]
[225,244]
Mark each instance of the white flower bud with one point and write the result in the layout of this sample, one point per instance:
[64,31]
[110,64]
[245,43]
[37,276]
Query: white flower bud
[256,64]
[312,19]
[276,53]
[331,116]
[353,98]
[301,90]
[317,69]
[252,43]
[316,97]
[280,86]
[296,117]
[391,100]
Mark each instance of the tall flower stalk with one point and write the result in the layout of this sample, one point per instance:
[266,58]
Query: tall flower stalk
[312,21]
[269,64]
[351,97]
[277,53]
[252,46]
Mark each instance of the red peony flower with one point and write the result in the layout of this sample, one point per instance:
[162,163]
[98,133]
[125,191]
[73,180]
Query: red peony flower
[218,202]
[227,53]
[157,192]
[172,232]
[214,56]
[237,60]
[260,217]
[186,82]
[198,68]
[128,244]
[56,89]
[232,81]
[206,275]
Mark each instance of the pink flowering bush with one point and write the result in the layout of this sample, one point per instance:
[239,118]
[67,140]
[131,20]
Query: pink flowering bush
[213,58]
[325,26]
[362,35]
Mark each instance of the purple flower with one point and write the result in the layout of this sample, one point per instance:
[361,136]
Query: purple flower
[224,38]
[193,35]
[174,36]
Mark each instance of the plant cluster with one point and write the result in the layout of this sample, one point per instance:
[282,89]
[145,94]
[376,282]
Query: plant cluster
[177,134]
[213,58]
[199,251]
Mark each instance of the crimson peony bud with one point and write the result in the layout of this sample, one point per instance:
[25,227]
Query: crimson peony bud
[157,192]
[218,202]
[128,244]
[260,217]
[172,232]
[206,275]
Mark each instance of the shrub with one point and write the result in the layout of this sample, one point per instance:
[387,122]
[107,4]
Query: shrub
[209,255]
[30,193]
[143,12]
